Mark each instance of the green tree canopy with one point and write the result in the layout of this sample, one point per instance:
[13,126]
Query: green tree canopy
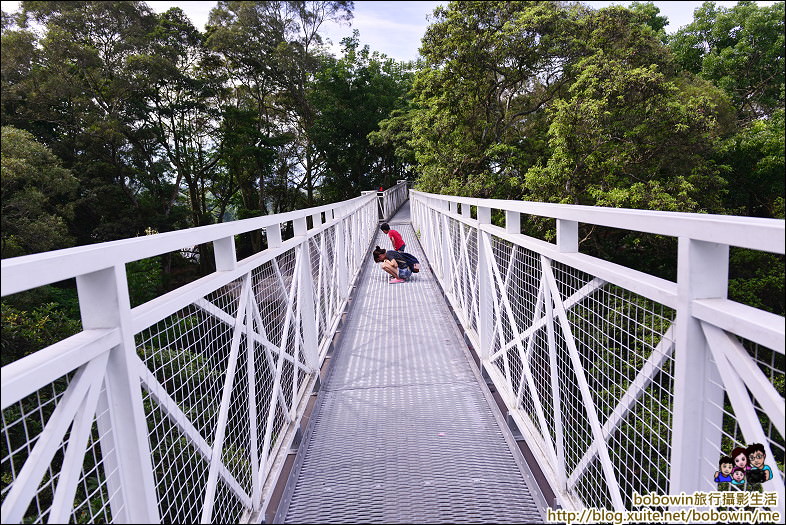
[633,138]
[490,70]
[351,96]
[37,196]
[740,49]
[563,103]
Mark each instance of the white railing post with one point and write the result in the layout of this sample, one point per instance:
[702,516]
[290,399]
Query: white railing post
[556,398]
[224,253]
[341,257]
[104,303]
[413,215]
[702,273]
[512,221]
[305,299]
[567,236]
[446,262]
[485,285]
[251,377]
[273,234]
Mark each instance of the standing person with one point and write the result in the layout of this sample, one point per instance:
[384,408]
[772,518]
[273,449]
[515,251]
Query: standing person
[392,263]
[395,237]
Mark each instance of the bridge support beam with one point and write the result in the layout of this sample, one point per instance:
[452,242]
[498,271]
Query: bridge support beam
[446,263]
[122,426]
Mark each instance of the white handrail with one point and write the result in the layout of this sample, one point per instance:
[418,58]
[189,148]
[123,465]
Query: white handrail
[30,271]
[745,232]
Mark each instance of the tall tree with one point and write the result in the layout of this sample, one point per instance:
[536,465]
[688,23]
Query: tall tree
[351,96]
[270,55]
[176,102]
[633,137]
[37,196]
[80,104]
[490,70]
[740,49]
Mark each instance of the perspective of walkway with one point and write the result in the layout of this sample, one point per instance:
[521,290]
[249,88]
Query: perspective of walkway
[401,431]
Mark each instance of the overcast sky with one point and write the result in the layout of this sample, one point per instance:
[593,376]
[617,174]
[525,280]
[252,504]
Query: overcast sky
[395,28]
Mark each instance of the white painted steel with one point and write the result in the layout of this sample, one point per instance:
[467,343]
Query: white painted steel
[180,409]
[391,199]
[616,378]
[702,272]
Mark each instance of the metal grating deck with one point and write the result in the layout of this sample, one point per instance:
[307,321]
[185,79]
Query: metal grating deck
[402,432]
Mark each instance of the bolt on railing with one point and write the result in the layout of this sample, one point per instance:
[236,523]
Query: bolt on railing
[181,409]
[619,381]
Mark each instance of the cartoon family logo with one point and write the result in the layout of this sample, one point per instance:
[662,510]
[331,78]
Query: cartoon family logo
[744,465]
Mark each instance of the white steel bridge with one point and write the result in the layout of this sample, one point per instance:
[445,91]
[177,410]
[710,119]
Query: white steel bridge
[296,385]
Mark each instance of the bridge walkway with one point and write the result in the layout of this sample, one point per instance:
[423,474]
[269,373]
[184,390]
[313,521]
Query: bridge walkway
[404,429]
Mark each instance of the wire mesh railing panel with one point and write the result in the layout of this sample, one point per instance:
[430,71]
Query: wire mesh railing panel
[187,353]
[271,290]
[319,276]
[578,435]
[236,450]
[175,410]
[45,492]
[592,487]
[616,374]
[616,333]
[772,365]
[737,440]
[457,264]
[392,199]
[23,425]
[640,447]
[501,254]
[287,369]
[324,268]
[229,508]
[470,273]
[543,384]
[264,385]
[526,274]
[93,491]
[625,345]
[180,469]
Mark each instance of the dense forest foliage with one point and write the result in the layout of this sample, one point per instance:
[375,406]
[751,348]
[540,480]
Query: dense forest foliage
[117,122]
